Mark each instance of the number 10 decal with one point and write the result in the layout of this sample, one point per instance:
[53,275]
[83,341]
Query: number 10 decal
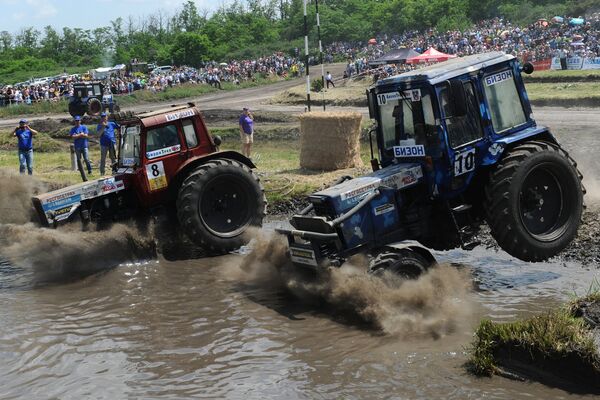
[464,162]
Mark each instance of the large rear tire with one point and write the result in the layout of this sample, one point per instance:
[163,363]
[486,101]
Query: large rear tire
[218,203]
[94,107]
[534,201]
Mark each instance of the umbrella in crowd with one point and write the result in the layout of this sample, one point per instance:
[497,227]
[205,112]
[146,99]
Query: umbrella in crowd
[431,55]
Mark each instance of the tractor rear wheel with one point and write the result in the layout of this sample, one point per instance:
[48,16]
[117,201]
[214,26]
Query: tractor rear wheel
[94,106]
[218,203]
[405,263]
[534,201]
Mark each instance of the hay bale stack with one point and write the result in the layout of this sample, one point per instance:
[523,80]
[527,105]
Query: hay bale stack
[330,140]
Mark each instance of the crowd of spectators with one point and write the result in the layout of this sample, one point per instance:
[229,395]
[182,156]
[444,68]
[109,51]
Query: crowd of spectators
[541,40]
[123,82]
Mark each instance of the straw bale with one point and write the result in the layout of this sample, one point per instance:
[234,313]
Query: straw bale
[330,140]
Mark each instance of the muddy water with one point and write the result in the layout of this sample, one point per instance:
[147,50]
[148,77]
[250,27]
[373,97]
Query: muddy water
[199,329]
[221,328]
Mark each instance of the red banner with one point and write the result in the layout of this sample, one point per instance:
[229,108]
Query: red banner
[542,65]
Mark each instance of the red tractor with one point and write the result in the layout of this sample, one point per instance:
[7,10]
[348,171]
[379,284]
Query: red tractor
[168,164]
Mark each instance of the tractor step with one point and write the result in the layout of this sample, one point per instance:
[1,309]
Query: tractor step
[461,208]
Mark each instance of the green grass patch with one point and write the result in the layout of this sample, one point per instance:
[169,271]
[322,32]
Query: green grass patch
[556,76]
[45,107]
[565,91]
[553,335]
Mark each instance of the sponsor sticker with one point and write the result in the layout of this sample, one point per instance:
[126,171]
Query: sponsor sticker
[409,151]
[180,114]
[384,208]
[129,162]
[498,78]
[61,202]
[163,152]
[156,176]
[384,98]
[303,256]
[403,178]
[414,95]
[361,191]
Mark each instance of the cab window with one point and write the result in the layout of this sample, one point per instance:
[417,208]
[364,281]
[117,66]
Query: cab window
[406,118]
[503,100]
[462,130]
[190,133]
[162,138]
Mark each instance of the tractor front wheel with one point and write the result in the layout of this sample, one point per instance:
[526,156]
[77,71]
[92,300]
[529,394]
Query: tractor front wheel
[405,263]
[218,203]
[534,201]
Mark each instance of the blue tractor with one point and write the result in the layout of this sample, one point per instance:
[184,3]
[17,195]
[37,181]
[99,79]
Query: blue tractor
[458,148]
[91,98]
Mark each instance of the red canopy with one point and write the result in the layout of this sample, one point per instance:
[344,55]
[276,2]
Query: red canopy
[431,55]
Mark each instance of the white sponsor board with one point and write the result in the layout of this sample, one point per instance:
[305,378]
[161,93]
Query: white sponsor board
[591,63]
[572,63]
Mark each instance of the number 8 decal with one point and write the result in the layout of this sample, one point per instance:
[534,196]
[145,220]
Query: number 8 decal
[464,162]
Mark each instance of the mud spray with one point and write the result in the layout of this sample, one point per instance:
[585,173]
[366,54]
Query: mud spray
[50,255]
[434,305]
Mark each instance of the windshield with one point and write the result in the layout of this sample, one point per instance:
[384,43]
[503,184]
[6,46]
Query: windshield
[129,154]
[405,116]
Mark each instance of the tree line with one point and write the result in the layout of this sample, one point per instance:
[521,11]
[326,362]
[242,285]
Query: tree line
[252,28]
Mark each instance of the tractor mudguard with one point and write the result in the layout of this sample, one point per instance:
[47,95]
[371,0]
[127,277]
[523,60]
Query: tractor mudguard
[496,150]
[415,246]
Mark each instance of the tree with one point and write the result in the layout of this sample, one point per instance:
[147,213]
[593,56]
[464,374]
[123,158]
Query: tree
[190,48]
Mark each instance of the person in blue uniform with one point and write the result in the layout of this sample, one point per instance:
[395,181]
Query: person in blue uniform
[24,134]
[79,133]
[107,129]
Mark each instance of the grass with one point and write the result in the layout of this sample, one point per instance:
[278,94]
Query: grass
[555,335]
[563,76]
[277,161]
[563,91]
[185,91]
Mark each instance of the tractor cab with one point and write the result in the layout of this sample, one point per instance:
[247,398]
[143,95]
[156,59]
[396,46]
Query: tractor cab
[451,117]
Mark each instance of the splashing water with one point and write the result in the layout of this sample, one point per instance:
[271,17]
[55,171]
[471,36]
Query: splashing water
[433,305]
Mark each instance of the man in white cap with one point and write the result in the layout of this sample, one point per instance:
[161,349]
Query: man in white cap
[246,131]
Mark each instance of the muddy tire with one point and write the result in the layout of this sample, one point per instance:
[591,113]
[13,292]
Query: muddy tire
[94,107]
[534,201]
[405,263]
[218,202]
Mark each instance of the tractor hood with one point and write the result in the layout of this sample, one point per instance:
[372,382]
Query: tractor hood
[346,195]
[59,205]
